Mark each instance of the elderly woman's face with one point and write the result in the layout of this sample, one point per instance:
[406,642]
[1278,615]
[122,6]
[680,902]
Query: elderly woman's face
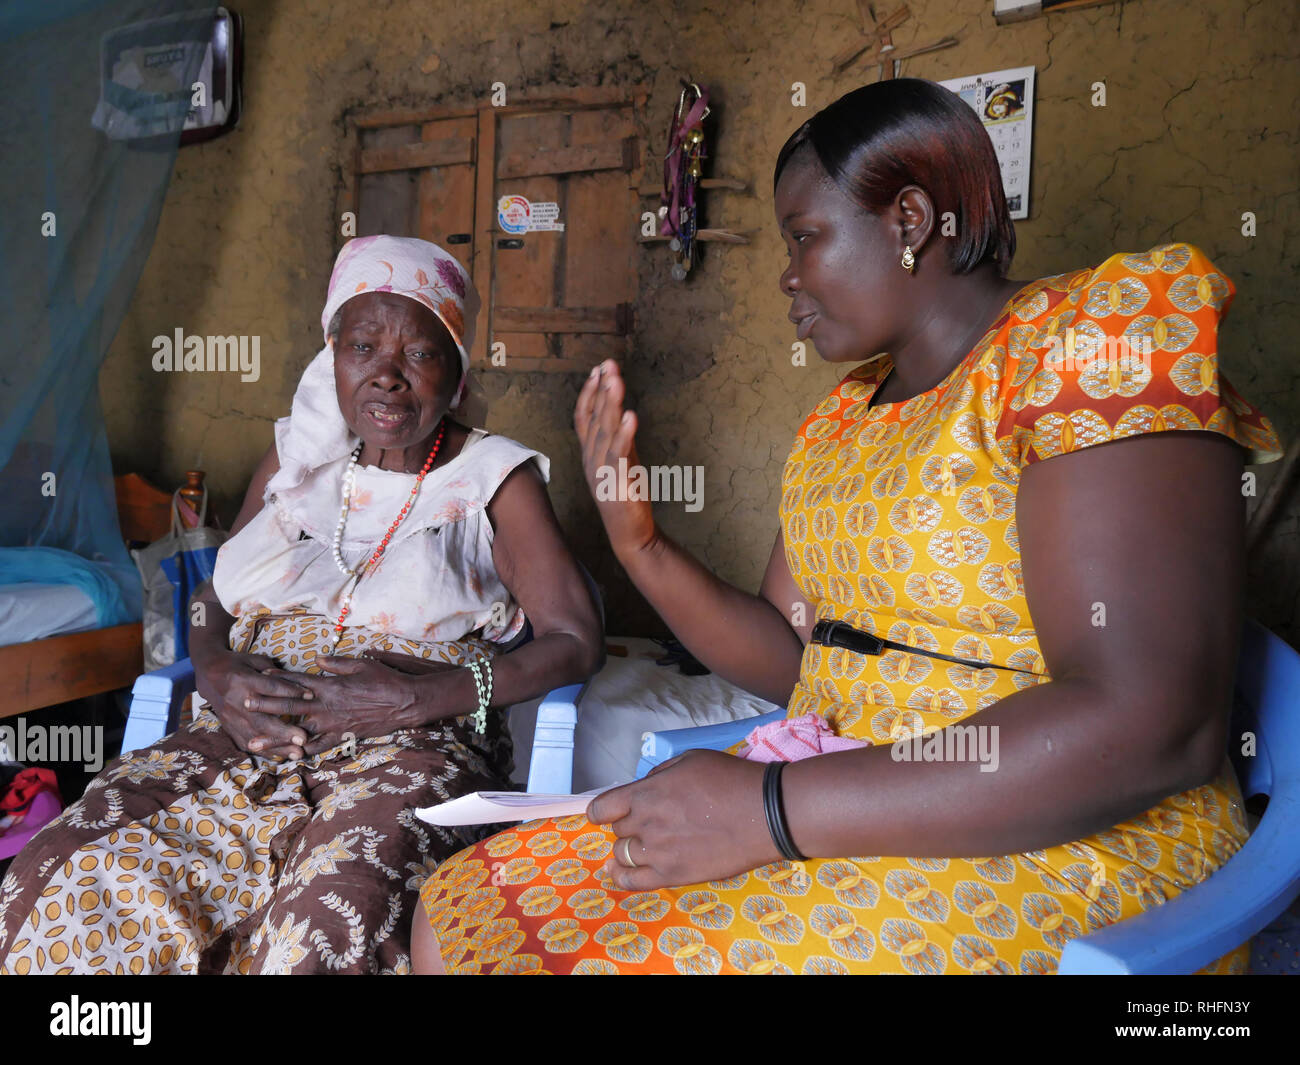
[843,275]
[396,369]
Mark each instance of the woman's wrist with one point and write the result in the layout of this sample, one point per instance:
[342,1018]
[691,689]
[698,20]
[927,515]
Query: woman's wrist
[638,554]
[774,814]
[207,647]
[439,696]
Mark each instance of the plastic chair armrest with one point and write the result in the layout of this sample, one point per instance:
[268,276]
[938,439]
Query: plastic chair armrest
[551,768]
[1205,922]
[658,747]
[155,704]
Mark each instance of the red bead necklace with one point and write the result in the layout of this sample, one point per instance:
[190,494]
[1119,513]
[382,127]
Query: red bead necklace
[383,543]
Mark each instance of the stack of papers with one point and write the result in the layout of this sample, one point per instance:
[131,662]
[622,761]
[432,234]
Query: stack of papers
[489,807]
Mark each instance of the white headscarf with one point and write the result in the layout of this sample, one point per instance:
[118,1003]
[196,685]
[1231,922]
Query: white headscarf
[315,433]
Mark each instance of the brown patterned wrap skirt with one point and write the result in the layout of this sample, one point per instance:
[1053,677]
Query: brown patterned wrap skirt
[194,856]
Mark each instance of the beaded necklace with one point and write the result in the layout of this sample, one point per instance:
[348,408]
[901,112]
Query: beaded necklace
[349,483]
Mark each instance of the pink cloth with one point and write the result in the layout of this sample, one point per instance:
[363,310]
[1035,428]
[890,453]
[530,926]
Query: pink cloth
[792,739]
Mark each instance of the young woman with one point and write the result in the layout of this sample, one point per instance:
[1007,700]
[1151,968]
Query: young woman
[1034,500]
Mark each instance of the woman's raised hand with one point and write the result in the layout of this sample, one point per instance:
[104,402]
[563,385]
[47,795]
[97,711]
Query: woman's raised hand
[606,432]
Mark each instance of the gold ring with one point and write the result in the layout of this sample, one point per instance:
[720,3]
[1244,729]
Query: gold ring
[627,853]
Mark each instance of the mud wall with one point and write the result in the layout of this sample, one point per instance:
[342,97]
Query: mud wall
[1199,126]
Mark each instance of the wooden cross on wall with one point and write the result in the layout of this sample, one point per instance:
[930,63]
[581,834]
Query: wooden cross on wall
[879,31]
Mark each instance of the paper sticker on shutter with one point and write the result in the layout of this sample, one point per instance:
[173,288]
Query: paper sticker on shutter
[513,214]
[545,216]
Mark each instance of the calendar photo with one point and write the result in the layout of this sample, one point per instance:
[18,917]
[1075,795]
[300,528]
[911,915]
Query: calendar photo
[1004,101]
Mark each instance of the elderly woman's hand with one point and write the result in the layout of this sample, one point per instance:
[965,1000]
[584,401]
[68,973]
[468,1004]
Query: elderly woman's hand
[364,696]
[411,665]
[248,693]
[696,818]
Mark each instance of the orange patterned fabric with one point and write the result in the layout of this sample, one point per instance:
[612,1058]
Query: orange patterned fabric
[900,519]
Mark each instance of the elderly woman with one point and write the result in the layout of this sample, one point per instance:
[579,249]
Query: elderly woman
[996,533]
[348,660]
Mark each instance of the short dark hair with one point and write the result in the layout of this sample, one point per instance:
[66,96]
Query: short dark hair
[876,140]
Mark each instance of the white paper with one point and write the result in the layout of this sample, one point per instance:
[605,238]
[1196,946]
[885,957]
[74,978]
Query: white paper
[1004,102]
[545,216]
[489,807]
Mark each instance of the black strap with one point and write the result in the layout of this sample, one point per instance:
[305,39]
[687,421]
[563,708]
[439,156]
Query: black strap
[842,634]
[774,811]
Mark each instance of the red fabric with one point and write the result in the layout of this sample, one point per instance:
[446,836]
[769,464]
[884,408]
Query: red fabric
[25,787]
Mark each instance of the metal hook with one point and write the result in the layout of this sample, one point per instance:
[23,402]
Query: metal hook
[699,94]
[688,86]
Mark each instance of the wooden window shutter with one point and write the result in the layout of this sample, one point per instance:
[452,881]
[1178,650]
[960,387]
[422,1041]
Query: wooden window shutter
[552,301]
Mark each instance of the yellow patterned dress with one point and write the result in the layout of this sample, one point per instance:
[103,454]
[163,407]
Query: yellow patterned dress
[900,520]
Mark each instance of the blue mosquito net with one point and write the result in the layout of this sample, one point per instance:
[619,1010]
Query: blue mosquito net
[79,204]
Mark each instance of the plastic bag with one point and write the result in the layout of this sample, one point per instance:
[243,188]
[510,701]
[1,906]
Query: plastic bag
[171,570]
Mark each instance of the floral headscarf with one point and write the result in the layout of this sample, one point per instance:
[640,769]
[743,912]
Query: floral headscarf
[315,433]
[409,267]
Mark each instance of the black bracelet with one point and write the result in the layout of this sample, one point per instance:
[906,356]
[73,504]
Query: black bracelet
[774,810]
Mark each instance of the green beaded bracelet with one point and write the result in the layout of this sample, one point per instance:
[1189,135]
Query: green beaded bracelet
[484,694]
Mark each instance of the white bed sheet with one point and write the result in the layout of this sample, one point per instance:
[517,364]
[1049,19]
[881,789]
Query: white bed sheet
[34,611]
[628,697]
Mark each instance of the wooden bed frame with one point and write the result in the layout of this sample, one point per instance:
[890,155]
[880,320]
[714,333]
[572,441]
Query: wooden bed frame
[57,669]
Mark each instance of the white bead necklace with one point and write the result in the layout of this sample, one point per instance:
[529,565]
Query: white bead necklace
[349,484]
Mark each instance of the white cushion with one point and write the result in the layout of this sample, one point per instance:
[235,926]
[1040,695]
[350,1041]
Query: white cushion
[631,696]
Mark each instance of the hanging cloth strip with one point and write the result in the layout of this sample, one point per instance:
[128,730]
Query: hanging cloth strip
[678,218]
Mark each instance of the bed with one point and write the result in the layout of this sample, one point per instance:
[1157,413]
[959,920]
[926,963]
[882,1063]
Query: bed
[62,656]
[31,612]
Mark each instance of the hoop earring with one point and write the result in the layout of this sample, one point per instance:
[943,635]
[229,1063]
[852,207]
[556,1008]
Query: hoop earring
[909,260]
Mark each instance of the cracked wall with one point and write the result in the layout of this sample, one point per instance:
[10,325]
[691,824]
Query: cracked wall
[1200,126]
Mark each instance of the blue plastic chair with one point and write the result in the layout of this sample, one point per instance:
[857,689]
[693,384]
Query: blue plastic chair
[157,697]
[1203,923]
